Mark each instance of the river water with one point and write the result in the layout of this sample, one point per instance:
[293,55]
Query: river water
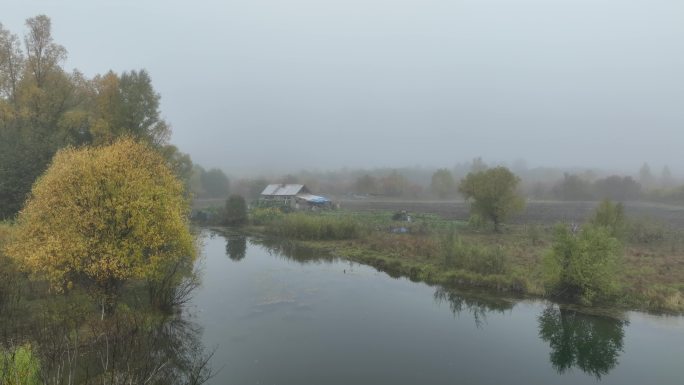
[275,314]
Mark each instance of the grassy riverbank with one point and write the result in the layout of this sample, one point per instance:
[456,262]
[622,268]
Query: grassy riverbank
[434,250]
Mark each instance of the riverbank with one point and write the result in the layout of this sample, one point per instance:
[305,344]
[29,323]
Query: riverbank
[456,253]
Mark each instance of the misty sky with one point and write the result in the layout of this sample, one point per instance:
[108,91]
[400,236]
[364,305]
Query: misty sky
[318,84]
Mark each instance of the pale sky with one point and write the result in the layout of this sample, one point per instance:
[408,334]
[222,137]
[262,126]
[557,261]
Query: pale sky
[285,85]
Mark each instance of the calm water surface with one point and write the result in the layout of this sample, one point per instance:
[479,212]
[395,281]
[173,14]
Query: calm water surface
[278,315]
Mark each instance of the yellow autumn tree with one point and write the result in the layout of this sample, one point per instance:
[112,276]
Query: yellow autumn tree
[101,216]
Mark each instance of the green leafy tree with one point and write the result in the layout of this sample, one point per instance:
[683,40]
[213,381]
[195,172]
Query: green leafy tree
[443,184]
[617,188]
[101,216]
[127,105]
[236,211]
[11,64]
[573,188]
[43,54]
[215,183]
[492,194]
[583,267]
[43,108]
[180,163]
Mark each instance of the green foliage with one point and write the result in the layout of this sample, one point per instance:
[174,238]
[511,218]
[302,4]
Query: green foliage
[583,267]
[265,215]
[19,367]
[573,188]
[43,108]
[126,105]
[208,184]
[492,194]
[473,257]
[534,234]
[9,274]
[304,226]
[617,188]
[443,184]
[180,163]
[236,211]
[611,216]
[215,183]
[103,215]
[249,188]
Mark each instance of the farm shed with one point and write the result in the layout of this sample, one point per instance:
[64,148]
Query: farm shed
[293,195]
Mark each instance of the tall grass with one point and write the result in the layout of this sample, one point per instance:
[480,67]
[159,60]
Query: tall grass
[260,216]
[304,226]
[477,258]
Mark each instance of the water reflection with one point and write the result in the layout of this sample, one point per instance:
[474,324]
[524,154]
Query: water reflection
[236,247]
[70,342]
[131,346]
[292,251]
[590,343]
[477,305]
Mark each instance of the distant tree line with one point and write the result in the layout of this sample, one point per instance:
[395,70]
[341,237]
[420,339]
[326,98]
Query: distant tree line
[442,183]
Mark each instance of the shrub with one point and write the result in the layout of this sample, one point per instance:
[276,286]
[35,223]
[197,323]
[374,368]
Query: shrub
[611,216]
[582,267]
[101,216]
[534,234]
[19,367]
[236,211]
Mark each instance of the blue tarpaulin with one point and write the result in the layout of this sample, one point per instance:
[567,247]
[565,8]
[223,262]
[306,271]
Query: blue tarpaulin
[314,199]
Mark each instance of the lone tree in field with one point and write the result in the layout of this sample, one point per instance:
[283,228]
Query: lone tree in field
[492,194]
[101,216]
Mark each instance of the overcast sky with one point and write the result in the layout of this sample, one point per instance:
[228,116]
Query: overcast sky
[318,84]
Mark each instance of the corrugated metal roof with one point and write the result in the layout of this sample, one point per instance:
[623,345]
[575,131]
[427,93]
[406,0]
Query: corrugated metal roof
[283,189]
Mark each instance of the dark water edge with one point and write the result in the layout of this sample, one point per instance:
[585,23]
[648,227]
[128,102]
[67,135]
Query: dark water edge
[278,314]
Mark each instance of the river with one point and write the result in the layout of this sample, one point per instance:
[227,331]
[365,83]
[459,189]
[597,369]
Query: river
[276,314]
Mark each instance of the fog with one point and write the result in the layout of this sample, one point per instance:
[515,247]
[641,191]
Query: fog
[255,85]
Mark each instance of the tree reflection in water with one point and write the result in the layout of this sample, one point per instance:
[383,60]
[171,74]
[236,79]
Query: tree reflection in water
[236,247]
[588,342]
[127,347]
[136,344]
[474,303]
[292,251]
